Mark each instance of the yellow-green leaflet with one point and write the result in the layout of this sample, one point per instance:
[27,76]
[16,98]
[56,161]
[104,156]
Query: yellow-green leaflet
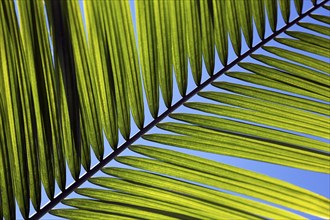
[271,7]
[302,45]
[258,11]
[208,179]
[79,76]
[193,37]
[252,131]
[179,50]
[11,115]
[207,26]
[299,6]
[87,215]
[272,152]
[299,58]
[143,182]
[245,20]
[319,79]
[164,60]
[140,200]
[220,30]
[116,43]
[29,17]
[148,56]
[285,9]
[293,81]
[310,38]
[68,84]
[271,83]
[321,18]
[196,208]
[316,27]
[7,194]
[101,79]
[279,188]
[232,26]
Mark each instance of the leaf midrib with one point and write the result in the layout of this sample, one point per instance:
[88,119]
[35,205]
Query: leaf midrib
[62,195]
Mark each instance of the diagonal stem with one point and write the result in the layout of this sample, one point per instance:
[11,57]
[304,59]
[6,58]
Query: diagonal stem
[62,195]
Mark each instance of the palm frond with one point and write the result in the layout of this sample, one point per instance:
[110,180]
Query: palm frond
[68,80]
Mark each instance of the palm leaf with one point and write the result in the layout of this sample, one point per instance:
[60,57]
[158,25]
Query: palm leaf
[69,80]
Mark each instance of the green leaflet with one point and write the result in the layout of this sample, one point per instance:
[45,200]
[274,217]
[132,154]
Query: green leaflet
[245,20]
[113,208]
[148,57]
[30,145]
[266,184]
[297,158]
[220,31]
[194,206]
[141,201]
[319,79]
[126,39]
[326,7]
[310,38]
[65,132]
[276,111]
[50,102]
[258,11]
[116,47]
[315,27]
[277,75]
[299,6]
[131,62]
[85,79]
[85,147]
[193,37]
[271,83]
[209,180]
[196,192]
[301,45]
[299,58]
[288,100]
[163,41]
[271,7]
[68,84]
[16,157]
[264,118]
[285,9]
[271,135]
[232,26]
[178,44]
[207,29]
[86,215]
[162,189]
[123,53]
[7,201]
[321,18]
[101,79]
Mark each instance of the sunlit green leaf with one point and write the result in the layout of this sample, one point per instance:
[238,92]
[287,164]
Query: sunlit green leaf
[220,30]
[148,57]
[258,10]
[73,77]
[207,26]
[271,7]
[316,27]
[285,9]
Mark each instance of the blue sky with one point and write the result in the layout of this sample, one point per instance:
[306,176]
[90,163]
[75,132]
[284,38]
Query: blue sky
[310,180]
